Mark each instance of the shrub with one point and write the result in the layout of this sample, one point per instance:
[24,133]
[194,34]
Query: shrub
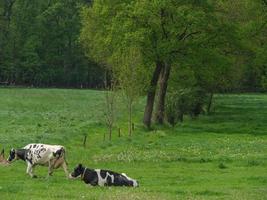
[184,101]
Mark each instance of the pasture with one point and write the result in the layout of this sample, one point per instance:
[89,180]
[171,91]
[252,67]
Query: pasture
[217,156]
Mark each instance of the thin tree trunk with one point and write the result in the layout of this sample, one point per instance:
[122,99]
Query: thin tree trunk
[210,103]
[110,133]
[130,118]
[151,95]
[119,131]
[163,84]
[84,141]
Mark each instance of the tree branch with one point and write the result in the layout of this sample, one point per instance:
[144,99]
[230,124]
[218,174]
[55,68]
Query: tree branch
[162,15]
[191,34]
[182,35]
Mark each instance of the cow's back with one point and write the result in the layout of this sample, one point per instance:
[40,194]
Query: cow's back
[41,153]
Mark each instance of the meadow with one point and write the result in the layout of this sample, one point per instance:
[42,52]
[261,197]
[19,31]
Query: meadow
[218,156]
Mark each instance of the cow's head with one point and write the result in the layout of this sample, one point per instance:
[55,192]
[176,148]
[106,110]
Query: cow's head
[16,154]
[77,172]
[12,155]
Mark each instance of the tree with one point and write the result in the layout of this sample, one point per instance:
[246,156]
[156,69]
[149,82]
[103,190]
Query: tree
[161,30]
[39,45]
[110,103]
[250,19]
[131,79]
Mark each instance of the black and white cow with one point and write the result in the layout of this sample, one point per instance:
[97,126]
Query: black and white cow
[102,177]
[52,156]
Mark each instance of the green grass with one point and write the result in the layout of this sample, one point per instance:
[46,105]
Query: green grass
[217,156]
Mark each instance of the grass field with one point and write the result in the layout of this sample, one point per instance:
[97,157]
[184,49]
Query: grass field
[220,156]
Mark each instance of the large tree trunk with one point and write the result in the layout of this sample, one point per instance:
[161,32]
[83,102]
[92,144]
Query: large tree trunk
[151,94]
[163,84]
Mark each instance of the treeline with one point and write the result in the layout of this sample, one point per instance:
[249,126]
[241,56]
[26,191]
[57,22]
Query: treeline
[39,45]
[40,40]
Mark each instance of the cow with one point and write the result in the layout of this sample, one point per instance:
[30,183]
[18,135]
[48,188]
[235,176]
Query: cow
[3,161]
[100,177]
[52,156]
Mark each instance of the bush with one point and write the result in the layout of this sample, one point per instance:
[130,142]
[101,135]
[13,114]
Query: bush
[184,101]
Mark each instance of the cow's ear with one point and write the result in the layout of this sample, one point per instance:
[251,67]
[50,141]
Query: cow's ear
[80,165]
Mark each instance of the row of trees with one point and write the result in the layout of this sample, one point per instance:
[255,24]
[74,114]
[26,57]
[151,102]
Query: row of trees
[177,52]
[187,50]
[39,45]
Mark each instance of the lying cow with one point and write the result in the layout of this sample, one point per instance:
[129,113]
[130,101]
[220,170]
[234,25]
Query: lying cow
[102,177]
[52,156]
[3,161]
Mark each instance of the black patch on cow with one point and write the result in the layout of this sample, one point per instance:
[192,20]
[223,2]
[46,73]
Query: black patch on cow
[37,152]
[29,156]
[21,153]
[103,174]
[109,181]
[34,145]
[30,146]
[119,179]
[59,153]
[90,177]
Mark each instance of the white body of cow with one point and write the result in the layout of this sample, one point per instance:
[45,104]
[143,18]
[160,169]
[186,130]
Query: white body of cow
[52,156]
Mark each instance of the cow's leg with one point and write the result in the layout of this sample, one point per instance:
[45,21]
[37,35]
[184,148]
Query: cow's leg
[30,170]
[65,168]
[50,168]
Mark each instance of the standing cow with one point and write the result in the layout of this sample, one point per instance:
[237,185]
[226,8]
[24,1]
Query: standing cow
[52,156]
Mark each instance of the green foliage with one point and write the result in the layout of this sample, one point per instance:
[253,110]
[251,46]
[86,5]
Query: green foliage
[158,29]
[184,101]
[131,79]
[169,32]
[40,47]
[185,95]
[250,19]
[222,166]
[41,44]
